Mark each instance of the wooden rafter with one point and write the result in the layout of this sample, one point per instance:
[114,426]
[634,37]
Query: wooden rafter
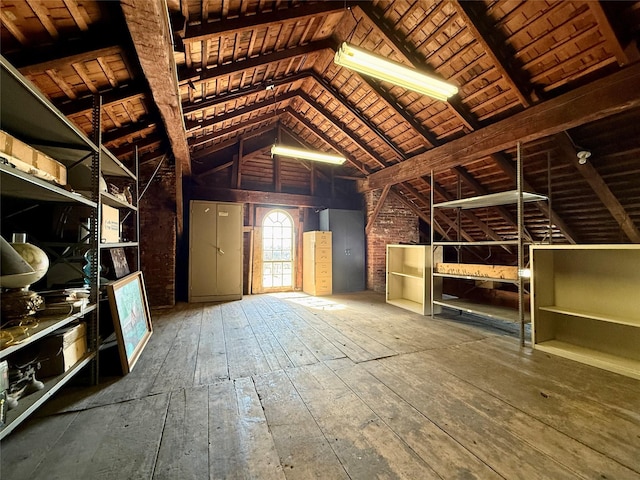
[600,188]
[195,141]
[62,62]
[76,14]
[42,12]
[602,98]
[196,33]
[116,96]
[376,211]
[624,55]
[326,139]
[266,103]
[196,75]
[483,36]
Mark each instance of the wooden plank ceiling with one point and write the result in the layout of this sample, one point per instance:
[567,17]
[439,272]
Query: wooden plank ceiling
[558,76]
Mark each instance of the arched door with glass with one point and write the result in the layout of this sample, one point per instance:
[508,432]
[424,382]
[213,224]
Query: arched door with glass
[277,250]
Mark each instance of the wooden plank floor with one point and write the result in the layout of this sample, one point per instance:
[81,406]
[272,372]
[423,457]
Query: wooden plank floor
[297,387]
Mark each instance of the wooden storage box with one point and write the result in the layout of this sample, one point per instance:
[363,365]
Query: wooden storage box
[29,160]
[110,231]
[61,351]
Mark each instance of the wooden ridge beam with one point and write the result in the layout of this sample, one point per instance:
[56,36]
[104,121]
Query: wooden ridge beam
[203,31]
[614,94]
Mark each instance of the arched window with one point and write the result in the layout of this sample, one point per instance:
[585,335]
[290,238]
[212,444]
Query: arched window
[277,250]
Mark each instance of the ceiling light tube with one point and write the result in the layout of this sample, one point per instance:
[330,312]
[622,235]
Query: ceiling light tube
[313,155]
[379,67]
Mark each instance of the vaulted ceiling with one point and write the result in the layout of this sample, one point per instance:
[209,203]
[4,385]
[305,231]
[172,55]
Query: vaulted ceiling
[216,82]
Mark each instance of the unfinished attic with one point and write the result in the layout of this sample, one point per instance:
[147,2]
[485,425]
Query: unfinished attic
[319,239]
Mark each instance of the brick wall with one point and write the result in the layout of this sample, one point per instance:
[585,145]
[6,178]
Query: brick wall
[394,224]
[158,234]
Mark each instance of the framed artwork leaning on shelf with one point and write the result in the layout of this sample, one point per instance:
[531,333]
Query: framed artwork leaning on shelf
[131,318]
[119,262]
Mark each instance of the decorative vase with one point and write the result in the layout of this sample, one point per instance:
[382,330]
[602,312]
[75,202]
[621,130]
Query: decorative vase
[33,255]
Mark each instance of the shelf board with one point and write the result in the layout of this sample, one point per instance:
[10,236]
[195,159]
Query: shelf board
[477,308]
[114,201]
[595,358]
[27,405]
[477,244]
[482,279]
[491,200]
[30,116]
[116,245]
[592,315]
[407,275]
[110,165]
[407,305]
[46,325]
[22,185]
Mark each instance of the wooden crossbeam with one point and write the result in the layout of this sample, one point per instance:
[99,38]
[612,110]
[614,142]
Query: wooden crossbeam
[376,211]
[602,98]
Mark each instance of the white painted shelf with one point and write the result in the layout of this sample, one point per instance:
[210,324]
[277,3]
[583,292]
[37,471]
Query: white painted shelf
[491,200]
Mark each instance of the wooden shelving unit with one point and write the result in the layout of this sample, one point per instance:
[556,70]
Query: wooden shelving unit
[585,304]
[408,279]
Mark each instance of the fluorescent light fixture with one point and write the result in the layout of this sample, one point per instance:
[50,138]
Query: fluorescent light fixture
[379,67]
[313,155]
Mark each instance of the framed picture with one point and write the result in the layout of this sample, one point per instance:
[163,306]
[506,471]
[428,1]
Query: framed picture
[131,317]
[119,262]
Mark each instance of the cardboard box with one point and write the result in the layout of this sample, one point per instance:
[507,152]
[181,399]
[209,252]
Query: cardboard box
[29,160]
[62,350]
[110,231]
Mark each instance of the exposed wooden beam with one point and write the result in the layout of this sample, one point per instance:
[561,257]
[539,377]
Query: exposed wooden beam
[329,141]
[196,75]
[376,211]
[196,33]
[600,188]
[214,101]
[80,48]
[75,13]
[150,31]
[266,103]
[129,130]
[485,37]
[42,12]
[326,139]
[63,62]
[602,98]
[408,54]
[271,198]
[217,169]
[195,141]
[110,98]
[624,55]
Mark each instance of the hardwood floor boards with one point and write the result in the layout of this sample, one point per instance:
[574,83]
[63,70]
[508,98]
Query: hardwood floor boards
[289,386]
